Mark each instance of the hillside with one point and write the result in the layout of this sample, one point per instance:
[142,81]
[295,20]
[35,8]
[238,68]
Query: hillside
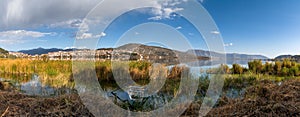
[40,51]
[154,52]
[292,57]
[160,54]
[3,51]
[229,56]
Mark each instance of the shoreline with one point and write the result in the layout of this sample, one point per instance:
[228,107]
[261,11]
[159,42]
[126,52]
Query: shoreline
[264,99]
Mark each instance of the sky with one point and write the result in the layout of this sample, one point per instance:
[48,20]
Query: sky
[266,27]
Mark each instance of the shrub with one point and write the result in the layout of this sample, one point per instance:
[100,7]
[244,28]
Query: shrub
[284,71]
[268,68]
[277,67]
[237,69]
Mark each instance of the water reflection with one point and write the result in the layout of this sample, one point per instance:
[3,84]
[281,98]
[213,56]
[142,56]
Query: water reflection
[235,93]
[136,102]
[35,87]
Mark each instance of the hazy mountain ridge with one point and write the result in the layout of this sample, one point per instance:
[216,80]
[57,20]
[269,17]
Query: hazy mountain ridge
[39,51]
[155,50]
[229,56]
[292,57]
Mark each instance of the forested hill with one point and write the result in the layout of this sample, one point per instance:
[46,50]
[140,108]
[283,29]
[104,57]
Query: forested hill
[292,57]
[3,51]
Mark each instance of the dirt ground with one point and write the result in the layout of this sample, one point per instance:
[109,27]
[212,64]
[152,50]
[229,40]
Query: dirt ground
[15,104]
[265,99]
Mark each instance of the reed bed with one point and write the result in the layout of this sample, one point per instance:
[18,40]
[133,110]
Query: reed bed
[59,73]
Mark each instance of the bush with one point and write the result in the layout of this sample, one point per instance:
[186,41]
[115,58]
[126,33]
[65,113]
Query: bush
[237,69]
[294,71]
[277,67]
[287,63]
[255,66]
[268,68]
[284,71]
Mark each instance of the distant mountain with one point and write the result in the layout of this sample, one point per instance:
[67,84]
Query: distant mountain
[160,54]
[229,56]
[292,57]
[245,56]
[155,51]
[40,51]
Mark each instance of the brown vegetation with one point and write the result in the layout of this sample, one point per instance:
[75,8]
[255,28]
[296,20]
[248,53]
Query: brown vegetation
[15,104]
[265,99]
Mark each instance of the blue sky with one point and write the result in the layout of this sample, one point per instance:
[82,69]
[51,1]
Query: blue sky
[267,27]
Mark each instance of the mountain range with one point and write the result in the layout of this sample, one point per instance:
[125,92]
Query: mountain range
[39,51]
[129,47]
[229,56]
[292,57]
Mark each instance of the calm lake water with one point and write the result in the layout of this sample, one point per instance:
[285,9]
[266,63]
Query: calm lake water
[35,87]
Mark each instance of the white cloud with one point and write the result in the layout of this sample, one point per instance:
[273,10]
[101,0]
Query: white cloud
[24,13]
[11,41]
[178,28]
[73,47]
[23,33]
[72,23]
[70,13]
[164,13]
[191,34]
[166,9]
[228,44]
[20,36]
[90,36]
[215,32]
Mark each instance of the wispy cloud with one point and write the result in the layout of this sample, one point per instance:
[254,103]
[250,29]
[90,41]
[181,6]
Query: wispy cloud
[215,32]
[70,13]
[23,33]
[164,13]
[20,36]
[178,28]
[90,36]
[228,44]
[72,23]
[191,34]
[166,9]
[27,13]
[73,47]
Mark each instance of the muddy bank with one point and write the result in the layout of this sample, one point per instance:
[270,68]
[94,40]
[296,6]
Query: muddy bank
[265,99]
[16,104]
